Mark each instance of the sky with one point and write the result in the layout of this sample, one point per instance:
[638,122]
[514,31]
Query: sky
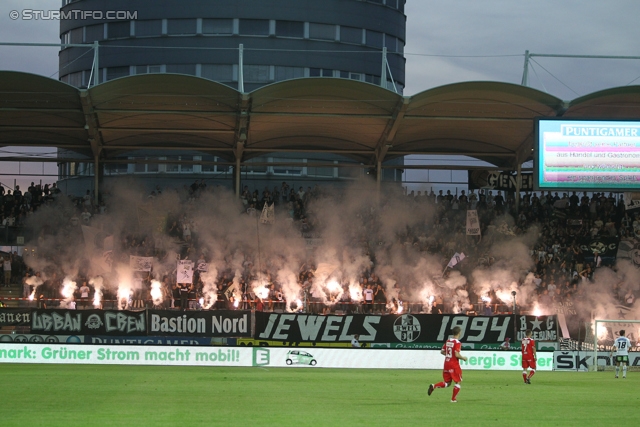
[447,42]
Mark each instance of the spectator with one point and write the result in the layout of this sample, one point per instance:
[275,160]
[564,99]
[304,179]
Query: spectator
[355,341]
[84,295]
[6,266]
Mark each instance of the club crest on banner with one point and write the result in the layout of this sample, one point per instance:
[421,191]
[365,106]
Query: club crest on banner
[407,328]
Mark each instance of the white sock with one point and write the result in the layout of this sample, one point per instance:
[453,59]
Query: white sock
[624,371]
[617,370]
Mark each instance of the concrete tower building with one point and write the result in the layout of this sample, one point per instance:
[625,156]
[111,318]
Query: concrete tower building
[281,39]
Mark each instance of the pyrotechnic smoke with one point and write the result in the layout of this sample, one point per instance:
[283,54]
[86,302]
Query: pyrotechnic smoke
[97,283]
[34,282]
[68,289]
[402,242]
[156,292]
[210,289]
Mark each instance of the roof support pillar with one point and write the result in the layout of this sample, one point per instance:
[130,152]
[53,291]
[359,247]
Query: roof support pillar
[96,178]
[383,73]
[518,186]
[96,64]
[378,179]
[236,168]
[241,68]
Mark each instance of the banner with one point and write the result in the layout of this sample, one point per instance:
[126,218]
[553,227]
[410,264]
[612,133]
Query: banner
[155,324]
[631,200]
[390,359]
[268,214]
[314,358]
[217,323]
[455,259]
[324,270]
[88,322]
[140,263]
[607,248]
[504,181]
[184,273]
[629,249]
[15,316]
[540,345]
[405,328]
[582,360]
[473,224]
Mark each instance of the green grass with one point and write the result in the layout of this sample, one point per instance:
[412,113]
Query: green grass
[85,395]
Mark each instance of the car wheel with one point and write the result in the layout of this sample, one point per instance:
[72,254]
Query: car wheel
[313,362]
[289,361]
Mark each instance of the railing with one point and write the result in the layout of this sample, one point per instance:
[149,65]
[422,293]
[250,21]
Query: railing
[9,235]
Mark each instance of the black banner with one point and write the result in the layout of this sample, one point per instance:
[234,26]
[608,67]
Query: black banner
[15,316]
[504,181]
[405,328]
[216,323]
[89,322]
[285,327]
[607,248]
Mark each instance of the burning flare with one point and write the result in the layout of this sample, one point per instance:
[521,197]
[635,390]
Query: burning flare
[156,292]
[124,295]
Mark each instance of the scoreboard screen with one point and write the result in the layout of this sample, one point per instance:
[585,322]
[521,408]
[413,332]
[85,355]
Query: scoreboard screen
[593,155]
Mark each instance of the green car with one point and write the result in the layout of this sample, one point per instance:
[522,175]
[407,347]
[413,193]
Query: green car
[298,357]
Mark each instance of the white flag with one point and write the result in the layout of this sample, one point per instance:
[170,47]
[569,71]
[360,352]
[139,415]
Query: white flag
[140,263]
[268,214]
[455,259]
[184,273]
[473,225]
[324,270]
[631,201]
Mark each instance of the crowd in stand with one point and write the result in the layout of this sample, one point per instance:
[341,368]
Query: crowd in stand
[565,225]
[560,266]
[16,206]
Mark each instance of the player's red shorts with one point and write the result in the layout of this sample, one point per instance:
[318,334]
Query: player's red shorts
[528,364]
[454,374]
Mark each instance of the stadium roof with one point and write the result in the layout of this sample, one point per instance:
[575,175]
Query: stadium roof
[490,121]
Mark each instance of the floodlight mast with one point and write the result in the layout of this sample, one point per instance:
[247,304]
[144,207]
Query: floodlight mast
[528,56]
[525,73]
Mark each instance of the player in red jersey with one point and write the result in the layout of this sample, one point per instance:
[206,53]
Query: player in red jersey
[528,357]
[452,371]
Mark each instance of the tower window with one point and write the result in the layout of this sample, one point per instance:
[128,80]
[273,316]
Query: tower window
[322,31]
[217,26]
[178,27]
[351,35]
[118,30]
[148,28]
[290,29]
[254,27]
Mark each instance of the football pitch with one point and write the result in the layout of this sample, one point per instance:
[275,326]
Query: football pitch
[87,395]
